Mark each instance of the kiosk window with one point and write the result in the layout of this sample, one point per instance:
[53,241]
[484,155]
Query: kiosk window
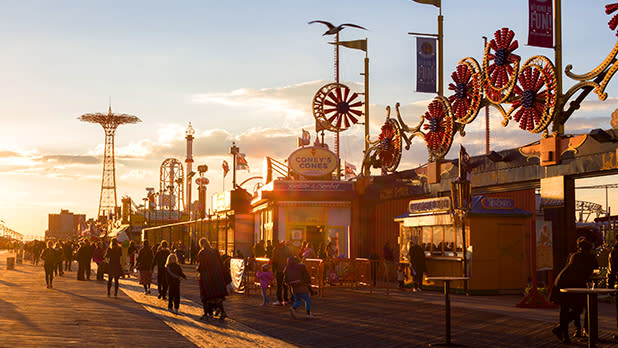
[438,239]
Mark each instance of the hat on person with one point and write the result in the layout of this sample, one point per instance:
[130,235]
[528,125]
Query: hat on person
[265,266]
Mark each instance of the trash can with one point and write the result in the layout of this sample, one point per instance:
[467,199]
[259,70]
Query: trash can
[10,263]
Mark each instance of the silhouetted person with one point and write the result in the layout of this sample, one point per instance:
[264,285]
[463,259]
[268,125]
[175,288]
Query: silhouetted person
[114,268]
[160,260]
[575,274]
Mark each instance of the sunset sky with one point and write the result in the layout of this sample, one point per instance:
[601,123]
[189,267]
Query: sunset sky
[243,71]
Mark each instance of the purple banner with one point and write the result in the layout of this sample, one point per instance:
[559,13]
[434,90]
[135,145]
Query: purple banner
[541,23]
[425,65]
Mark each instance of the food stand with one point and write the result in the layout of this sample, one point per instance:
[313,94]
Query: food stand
[495,242]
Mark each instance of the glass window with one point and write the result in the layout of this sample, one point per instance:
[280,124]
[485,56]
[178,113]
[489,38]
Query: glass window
[449,240]
[437,240]
[459,240]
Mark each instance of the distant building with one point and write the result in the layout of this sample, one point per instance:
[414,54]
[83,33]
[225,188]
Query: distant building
[65,225]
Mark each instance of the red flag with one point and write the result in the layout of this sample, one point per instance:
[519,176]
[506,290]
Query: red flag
[541,23]
[226,168]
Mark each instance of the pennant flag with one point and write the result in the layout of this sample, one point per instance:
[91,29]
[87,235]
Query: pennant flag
[541,23]
[355,44]
[241,162]
[426,65]
[350,170]
[436,3]
[226,168]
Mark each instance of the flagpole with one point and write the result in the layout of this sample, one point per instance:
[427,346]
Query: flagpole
[558,53]
[366,99]
[441,53]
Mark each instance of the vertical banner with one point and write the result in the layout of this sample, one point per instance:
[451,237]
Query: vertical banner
[541,23]
[425,65]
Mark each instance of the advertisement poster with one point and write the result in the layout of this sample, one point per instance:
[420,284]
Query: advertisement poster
[544,247]
[541,23]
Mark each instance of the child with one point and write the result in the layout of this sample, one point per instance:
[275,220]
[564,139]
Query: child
[400,276]
[174,273]
[297,277]
[265,276]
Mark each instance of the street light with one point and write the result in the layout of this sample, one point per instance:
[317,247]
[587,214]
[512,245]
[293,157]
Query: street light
[234,151]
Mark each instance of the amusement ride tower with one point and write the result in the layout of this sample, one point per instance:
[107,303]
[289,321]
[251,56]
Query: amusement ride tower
[109,122]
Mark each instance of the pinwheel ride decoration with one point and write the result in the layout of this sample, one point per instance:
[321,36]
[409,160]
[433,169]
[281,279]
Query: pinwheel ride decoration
[535,96]
[467,87]
[338,106]
[500,66]
[440,128]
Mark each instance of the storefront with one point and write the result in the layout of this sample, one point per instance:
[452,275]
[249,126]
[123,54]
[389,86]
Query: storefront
[495,242]
[297,211]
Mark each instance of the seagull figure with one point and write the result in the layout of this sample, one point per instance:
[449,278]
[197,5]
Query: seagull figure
[332,30]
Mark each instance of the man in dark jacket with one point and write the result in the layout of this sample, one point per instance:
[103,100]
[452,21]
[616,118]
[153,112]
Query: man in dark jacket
[297,278]
[280,258]
[160,259]
[82,257]
[89,254]
[575,274]
[417,265]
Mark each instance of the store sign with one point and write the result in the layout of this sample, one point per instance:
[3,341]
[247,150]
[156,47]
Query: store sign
[222,201]
[498,203]
[313,186]
[552,192]
[313,161]
[429,205]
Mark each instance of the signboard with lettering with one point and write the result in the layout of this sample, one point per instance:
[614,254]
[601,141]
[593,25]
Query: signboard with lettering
[307,186]
[440,204]
[313,161]
[552,192]
[222,201]
[498,203]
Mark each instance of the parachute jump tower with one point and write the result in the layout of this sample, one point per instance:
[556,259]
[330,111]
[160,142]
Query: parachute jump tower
[109,122]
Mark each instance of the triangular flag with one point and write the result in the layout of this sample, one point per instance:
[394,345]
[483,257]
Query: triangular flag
[226,168]
[436,3]
[355,44]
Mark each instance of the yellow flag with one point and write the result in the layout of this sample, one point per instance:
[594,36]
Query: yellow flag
[436,3]
[356,44]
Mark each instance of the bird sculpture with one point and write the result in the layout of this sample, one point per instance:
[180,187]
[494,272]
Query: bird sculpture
[332,30]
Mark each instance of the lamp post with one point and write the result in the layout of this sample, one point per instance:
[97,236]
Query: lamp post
[461,195]
[202,189]
[234,151]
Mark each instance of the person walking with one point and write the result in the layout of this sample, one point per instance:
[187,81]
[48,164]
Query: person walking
[575,274]
[88,258]
[98,258]
[132,251]
[298,279]
[213,287]
[145,265]
[160,260]
[58,249]
[265,277]
[612,274]
[50,261]
[82,258]
[279,261]
[114,268]
[417,265]
[173,272]
[67,249]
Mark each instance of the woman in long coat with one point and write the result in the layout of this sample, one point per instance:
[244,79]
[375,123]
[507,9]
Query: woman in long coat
[145,261]
[114,268]
[213,287]
[417,265]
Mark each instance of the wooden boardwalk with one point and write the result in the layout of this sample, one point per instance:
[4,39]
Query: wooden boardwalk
[79,314]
